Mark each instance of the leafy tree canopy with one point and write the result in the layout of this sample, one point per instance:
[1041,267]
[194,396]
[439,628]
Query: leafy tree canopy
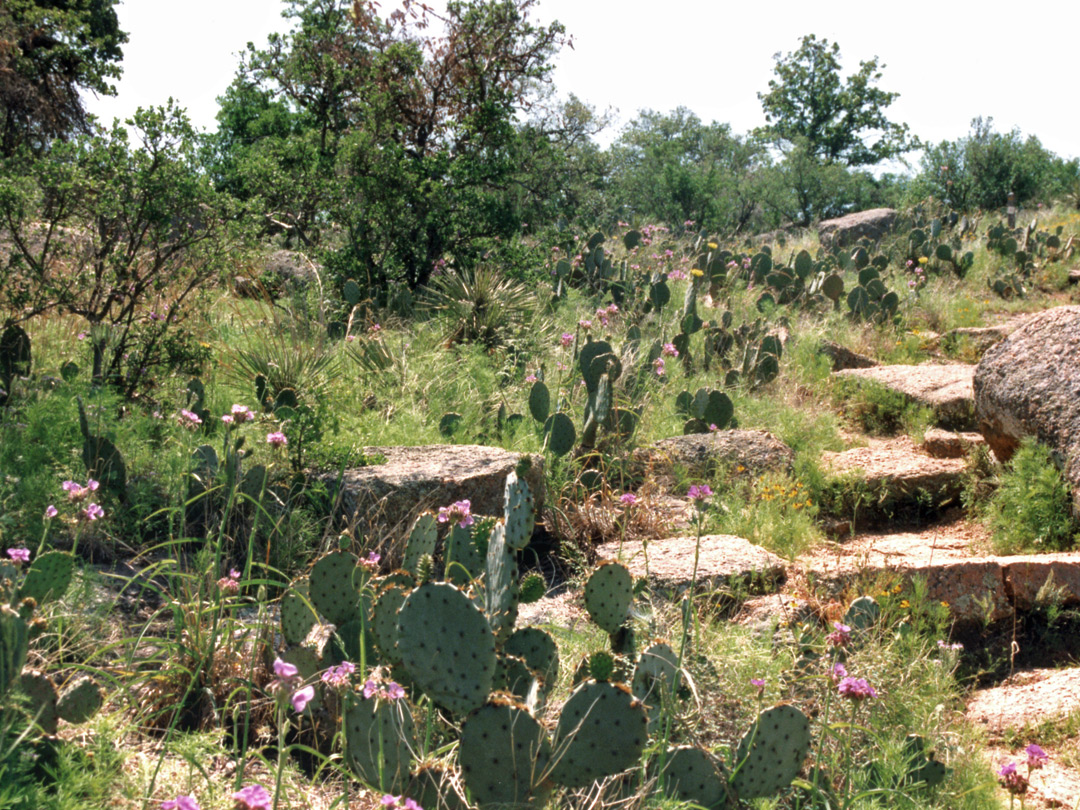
[50,51]
[840,121]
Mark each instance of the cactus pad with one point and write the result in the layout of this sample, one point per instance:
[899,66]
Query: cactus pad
[531,589]
[297,614]
[504,756]
[48,577]
[772,752]
[332,587]
[463,559]
[434,787]
[539,651]
[384,620]
[601,731]
[863,613]
[447,646]
[500,584]
[608,595]
[561,433]
[381,736]
[655,675]
[14,641]
[518,512]
[693,775]
[80,701]
[513,675]
[540,401]
[421,543]
[42,699]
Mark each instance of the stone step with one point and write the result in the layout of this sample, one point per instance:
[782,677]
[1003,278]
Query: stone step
[946,389]
[891,478]
[955,562]
[724,562]
[941,443]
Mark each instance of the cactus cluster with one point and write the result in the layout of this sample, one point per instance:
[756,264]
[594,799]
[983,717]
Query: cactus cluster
[15,359]
[870,300]
[749,354]
[45,580]
[705,410]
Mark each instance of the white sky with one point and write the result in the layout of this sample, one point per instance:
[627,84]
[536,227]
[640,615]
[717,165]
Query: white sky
[950,61]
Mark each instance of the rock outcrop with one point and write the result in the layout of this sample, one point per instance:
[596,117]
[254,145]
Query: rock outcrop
[701,454]
[388,496]
[1029,385]
[846,230]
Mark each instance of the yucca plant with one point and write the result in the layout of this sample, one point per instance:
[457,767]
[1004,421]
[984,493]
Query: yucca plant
[481,306]
[285,364]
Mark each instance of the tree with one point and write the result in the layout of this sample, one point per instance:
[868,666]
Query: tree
[50,51]
[674,168]
[838,122]
[982,168]
[404,141]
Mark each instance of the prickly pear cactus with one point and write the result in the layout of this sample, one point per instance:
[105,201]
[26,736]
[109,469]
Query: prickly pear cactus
[539,651]
[447,646]
[80,701]
[518,512]
[602,730]
[608,595]
[384,615]
[297,614]
[381,736]
[655,676]
[14,630]
[771,753]
[693,775]
[48,577]
[539,401]
[531,589]
[421,543]
[332,585]
[504,756]
[433,786]
[464,562]
[863,613]
[42,699]
[500,584]
[922,766]
[513,675]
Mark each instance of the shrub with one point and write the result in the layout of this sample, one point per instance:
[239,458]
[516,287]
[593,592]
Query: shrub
[1031,510]
[879,410]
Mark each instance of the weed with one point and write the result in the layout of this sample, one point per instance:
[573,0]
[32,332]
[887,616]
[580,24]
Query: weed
[880,410]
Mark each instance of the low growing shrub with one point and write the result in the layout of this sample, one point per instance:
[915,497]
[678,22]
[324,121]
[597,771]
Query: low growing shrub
[1031,510]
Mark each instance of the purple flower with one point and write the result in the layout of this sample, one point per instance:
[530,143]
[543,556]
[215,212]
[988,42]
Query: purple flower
[227,419]
[93,512]
[371,561]
[394,691]
[340,675]
[77,492]
[857,689]
[370,689]
[285,671]
[242,413]
[181,803]
[658,365]
[759,684]
[713,428]
[51,512]
[838,672]
[374,328]
[669,350]
[1012,780]
[302,697]
[841,637]
[586,325]
[699,492]
[531,378]
[253,797]
[566,340]
[458,512]
[946,646]
[400,802]
[276,439]
[189,420]
[19,555]
[628,499]
[1036,757]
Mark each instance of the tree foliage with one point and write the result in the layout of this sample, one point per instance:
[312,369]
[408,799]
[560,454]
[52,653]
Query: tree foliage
[50,51]
[400,140]
[838,121]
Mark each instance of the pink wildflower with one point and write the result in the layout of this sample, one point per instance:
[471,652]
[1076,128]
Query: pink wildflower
[252,797]
[276,439]
[19,555]
[459,512]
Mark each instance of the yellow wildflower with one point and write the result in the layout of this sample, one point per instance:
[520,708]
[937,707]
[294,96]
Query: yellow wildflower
[696,273]
[923,260]
[904,603]
[713,246]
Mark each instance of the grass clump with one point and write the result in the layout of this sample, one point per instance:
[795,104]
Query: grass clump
[1031,510]
[879,410]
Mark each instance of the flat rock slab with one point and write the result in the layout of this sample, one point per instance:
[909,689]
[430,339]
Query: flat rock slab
[892,476]
[945,389]
[941,443]
[1027,699]
[415,479]
[724,561]
[954,560]
[702,454]
[872,224]
[844,358]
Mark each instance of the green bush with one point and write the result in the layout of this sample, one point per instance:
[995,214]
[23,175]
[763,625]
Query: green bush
[879,410]
[1031,510]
